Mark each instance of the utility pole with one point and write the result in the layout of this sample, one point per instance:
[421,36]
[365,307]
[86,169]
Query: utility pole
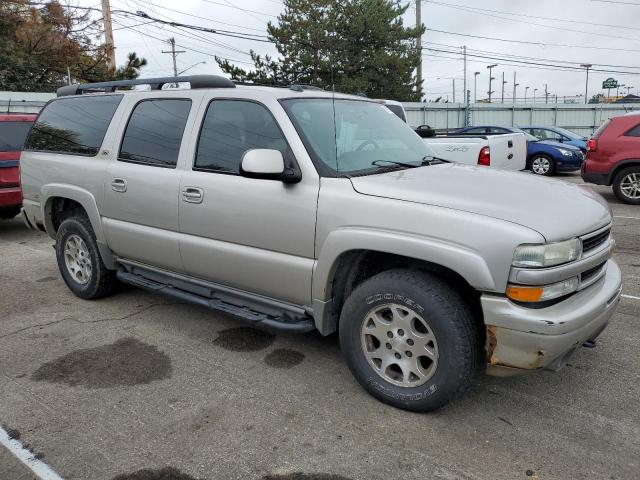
[454,89]
[525,94]
[503,84]
[586,84]
[475,89]
[108,34]
[514,87]
[490,67]
[464,54]
[174,53]
[419,46]
[546,94]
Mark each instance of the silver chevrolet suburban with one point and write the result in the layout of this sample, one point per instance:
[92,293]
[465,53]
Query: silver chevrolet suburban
[297,209]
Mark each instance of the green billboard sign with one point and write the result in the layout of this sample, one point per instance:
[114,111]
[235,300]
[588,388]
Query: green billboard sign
[609,83]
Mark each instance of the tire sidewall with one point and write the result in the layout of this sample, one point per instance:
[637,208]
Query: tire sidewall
[616,186]
[75,226]
[442,385]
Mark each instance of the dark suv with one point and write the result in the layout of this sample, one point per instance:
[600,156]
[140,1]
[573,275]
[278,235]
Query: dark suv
[613,157]
[13,132]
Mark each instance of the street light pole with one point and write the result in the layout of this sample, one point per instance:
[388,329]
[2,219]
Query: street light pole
[525,94]
[515,85]
[475,90]
[189,68]
[629,89]
[490,67]
[534,94]
[504,82]
[586,84]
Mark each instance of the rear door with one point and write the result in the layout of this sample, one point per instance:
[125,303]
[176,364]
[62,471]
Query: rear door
[140,210]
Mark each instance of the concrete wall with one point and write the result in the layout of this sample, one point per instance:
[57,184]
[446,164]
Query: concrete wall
[580,118]
[23,102]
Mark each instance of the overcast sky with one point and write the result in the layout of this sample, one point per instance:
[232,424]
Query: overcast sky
[615,37]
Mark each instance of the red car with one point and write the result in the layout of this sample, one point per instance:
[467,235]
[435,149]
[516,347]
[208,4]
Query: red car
[613,157]
[14,129]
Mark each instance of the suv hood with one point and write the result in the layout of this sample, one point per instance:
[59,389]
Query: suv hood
[555,209]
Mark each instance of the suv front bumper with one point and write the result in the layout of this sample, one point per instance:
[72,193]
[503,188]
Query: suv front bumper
[520,338]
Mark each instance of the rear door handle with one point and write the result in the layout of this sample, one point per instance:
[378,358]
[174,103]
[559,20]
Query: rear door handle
[119,185]
[192,194]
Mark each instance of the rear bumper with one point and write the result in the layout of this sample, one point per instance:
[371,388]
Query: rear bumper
[520,338]
[10,197]
[597,178]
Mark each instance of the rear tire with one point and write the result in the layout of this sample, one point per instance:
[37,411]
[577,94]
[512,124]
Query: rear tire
[626,185]
[542,165]
[409,339]
[80,262]
[9,212]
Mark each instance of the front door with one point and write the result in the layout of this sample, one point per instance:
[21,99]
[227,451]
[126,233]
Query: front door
[252,234]
[140,212]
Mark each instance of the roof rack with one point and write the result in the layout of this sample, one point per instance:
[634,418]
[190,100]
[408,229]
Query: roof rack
[196,81]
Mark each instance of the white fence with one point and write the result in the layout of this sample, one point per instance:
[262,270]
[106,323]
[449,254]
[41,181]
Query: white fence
[23,102]
[580,118]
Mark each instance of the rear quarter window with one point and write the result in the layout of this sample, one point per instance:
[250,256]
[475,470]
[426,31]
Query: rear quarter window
[634,132]
[75,125]
[601,129]
[13,135]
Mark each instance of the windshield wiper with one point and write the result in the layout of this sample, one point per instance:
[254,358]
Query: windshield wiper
[393,162]
[430,160]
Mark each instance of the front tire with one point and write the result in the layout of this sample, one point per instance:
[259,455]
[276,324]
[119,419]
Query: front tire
[542,165]
[626,185]
[79,260]
[409,339]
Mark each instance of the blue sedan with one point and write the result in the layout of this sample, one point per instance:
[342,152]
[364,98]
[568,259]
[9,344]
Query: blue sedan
[544,157]
[557,134]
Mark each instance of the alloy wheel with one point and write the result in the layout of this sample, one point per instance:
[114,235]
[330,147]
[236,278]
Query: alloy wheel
[630,186]
[541,165]
[77,259]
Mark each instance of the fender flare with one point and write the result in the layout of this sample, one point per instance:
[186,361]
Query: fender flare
[88,202]
[464,261]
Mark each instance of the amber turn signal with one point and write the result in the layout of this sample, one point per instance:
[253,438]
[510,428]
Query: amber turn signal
[519,293]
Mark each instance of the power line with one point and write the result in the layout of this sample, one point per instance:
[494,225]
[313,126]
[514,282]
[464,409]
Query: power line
[246,10]
[581,22]
[526,42]
[564,29]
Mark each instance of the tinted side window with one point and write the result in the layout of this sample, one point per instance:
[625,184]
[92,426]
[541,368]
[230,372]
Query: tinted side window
[13,135]
[634,132]
[73,125]
[230,128]
[154,132]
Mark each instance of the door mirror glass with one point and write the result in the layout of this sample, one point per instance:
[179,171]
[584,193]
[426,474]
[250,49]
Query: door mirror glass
[263,163]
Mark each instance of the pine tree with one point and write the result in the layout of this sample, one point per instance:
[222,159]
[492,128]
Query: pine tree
[356,46]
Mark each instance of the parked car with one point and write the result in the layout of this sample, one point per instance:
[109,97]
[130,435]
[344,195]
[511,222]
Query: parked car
[296,210]
[558,134]
[613,157]
[13,132]
[544,157]
[396,107]
[506,151]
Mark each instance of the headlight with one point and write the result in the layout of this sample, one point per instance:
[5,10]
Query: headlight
[547,255]
[521,293]
[566,153]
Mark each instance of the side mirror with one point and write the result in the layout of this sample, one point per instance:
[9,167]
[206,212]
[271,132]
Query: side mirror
[268,164]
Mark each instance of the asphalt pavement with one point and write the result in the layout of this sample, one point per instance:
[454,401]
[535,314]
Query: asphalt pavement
[139,386]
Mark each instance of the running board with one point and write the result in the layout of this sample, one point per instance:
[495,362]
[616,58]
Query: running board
[285,321]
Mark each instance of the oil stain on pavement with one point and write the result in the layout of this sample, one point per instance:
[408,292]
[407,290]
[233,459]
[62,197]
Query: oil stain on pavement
[166,473]
[244,339]
[125,362]
[283,358]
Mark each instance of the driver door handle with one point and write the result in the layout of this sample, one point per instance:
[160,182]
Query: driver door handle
[192,194]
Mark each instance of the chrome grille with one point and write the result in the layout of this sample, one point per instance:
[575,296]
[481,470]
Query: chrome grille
[595,241]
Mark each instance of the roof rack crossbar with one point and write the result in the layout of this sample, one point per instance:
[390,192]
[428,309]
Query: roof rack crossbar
[196,81]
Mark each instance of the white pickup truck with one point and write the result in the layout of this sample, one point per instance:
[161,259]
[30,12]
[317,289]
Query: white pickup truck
[506,152]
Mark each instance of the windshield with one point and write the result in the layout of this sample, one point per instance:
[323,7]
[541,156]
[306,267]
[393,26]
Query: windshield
[568,133]
[528,136]
[365,132]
